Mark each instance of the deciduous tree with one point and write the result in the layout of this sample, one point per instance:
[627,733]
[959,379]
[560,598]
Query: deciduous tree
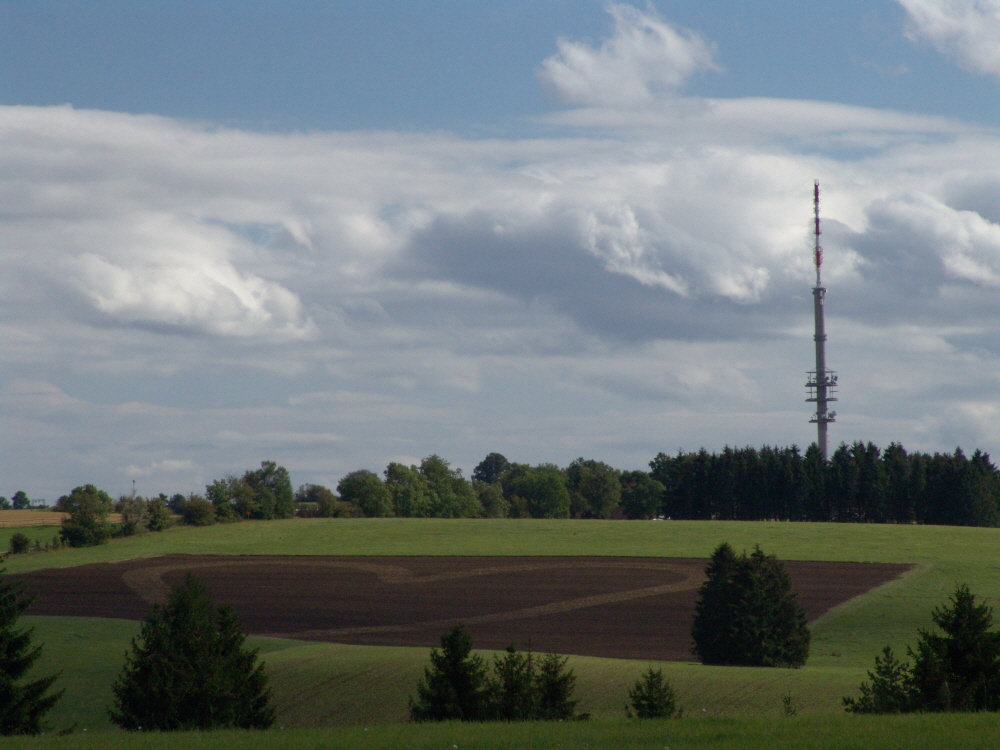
[88,509]
[364,489]
[491,469]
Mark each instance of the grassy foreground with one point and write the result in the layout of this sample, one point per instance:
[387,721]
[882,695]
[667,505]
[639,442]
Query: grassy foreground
[915,732]
[324,684]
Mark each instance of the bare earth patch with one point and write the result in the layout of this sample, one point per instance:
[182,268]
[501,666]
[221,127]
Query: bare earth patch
[622,607]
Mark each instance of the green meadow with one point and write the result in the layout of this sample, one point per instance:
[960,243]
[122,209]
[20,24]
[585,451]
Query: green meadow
[317,685]
[42,534]
[829,732]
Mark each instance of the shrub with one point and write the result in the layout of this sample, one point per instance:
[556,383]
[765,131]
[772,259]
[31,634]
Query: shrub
[325,502]
[88,509]
[158,516]
[19,543]
[197,511]
[746,613]
[491,499]
[22,706]
[651,697]
[135,514]
[189,669]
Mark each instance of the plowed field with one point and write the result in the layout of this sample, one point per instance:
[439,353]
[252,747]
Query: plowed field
[623,607]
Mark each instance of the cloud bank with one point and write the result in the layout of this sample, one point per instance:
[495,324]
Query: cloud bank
[181,301]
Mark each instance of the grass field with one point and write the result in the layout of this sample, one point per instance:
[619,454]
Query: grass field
[915,732]
[42,533]
[322,684]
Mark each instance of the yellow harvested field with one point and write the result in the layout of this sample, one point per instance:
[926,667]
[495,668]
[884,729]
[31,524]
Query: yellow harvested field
[18,518]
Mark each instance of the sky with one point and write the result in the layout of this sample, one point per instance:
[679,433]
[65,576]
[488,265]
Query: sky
[340,234]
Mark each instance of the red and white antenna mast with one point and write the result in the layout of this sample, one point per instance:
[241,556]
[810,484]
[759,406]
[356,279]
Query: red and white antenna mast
[821,382]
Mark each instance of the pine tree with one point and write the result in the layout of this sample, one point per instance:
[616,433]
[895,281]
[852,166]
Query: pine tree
[189,669]
[555,685]
[22,706]
[651,697]
[454,686]
[891,690]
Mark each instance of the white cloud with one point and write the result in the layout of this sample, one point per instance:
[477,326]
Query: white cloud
[968,30]
[966,244]
[646,58]
[175,273]
[185,301]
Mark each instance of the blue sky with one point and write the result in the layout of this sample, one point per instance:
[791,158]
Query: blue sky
[340,234]
[464,66]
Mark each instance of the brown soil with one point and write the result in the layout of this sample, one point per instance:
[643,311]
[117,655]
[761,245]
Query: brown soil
[624,607]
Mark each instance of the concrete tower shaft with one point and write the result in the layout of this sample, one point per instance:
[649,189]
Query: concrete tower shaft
[821,383]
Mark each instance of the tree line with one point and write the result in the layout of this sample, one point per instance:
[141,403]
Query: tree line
[860,483]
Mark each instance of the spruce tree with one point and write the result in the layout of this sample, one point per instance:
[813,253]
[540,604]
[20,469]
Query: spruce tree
[960,670]
[746,613]
[189,669]
[512,692]
[555,685]
[651,697]
[454,686]
[716,608]
[957,671]
[23,705]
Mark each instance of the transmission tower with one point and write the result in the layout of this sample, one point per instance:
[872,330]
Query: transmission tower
[821,383]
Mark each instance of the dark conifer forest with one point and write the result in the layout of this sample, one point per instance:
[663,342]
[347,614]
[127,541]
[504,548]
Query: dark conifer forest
[860,483]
